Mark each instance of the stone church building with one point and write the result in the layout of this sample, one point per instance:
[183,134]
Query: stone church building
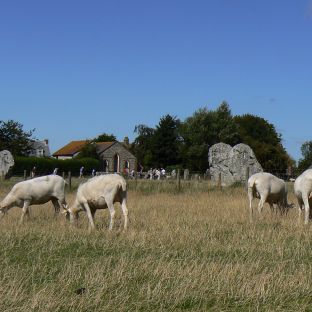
[114,156]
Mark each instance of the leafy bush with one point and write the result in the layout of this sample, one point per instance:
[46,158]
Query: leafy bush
[45,165]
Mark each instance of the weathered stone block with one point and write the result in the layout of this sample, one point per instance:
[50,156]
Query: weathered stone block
[6,162]
[232,163]
[186,174]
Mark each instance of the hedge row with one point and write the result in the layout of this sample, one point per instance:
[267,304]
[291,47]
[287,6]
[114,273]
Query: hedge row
[45,165]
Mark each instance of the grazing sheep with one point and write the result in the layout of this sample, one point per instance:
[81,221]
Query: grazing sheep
[35,192]
[303,192]
[100,192]
[270,189]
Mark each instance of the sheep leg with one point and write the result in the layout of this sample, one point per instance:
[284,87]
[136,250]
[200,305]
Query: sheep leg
[250,197]
[57,206]
[300,208]
[90,217]
[25,210]
[263,198]
[112,215]
[125,213]
[307,210]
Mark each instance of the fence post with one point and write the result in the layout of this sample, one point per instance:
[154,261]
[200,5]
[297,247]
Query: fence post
[247,177]
[63,174]
[219,181]
[25,175]
[69,180]
[179,180]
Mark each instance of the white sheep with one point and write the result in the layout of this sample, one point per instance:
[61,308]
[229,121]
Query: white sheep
[270,189]
[100,192]
[303,191]
[35,192]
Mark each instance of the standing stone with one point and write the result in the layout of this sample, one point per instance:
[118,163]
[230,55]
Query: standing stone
[232,163]
[6,162]
[186,174]
[242,156]
[219,163]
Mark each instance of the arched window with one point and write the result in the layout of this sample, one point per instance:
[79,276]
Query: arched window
[116,163]
[105,165]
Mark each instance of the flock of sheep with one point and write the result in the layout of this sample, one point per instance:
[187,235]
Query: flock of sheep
[99,192]
[273,190]
[103,191]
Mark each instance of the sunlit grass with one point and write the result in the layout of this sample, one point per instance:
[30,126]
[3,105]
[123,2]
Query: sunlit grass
[183,251]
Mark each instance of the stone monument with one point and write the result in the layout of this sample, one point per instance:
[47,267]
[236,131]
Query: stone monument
[186,174]
[6,162]
[232,162]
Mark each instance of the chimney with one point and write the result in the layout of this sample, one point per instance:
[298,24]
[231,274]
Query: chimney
[126,141]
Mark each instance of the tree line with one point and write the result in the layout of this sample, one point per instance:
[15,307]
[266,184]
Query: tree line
[174,143]
[186,143]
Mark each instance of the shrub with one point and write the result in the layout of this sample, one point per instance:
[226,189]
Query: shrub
[46,165]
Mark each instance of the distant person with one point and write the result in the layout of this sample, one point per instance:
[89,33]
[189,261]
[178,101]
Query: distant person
[157,174]
[163,172]
[141,170]
[93,172]
[150,172]
[55,171]
[126,171]
[132,173]
[33,172]
[173,173]
[81,172]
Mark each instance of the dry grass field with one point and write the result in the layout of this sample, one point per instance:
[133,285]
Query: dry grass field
[193,251]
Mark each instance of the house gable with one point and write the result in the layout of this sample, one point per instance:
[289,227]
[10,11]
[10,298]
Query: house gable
[70,150]
[109,153]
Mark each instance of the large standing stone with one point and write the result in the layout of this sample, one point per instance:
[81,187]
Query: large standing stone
[6,162]
[219,163]
[232,163]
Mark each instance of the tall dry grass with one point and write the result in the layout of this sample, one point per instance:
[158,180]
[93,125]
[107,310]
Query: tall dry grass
[191,251]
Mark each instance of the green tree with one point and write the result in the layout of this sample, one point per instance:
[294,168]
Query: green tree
[203,129]
[14,139]
[104,137]
[89,151]
[306,151]
[265,141]
[166,141]
[142,145]
[224,126]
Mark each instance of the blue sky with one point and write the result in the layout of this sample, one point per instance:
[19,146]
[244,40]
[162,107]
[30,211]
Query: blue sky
[76,69]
